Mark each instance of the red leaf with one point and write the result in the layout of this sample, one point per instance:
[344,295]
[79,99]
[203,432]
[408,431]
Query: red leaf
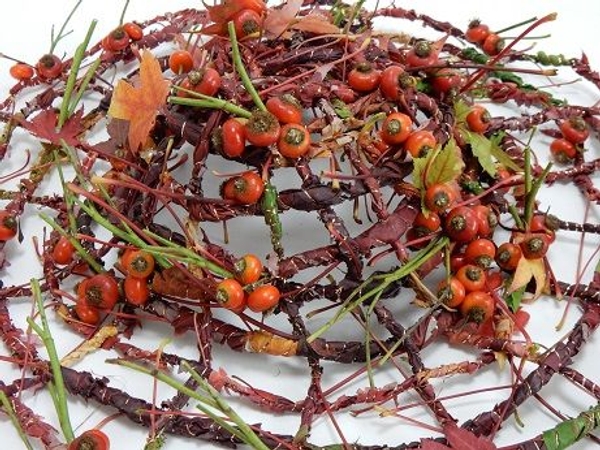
[428,444]
[44,126]
[461,439]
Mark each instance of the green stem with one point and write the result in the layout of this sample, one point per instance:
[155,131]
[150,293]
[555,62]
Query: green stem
[516,25]
[57,379]
[250,436]
[9,410]
[355,9]
[239,66]
[204,101]
[527,163]
[204,400]
[65,106]
[530,202]
[61,32]
[512,209]
[83,86]
[78,247]
[356,298]
[177,252]
[122,18]
[67,196]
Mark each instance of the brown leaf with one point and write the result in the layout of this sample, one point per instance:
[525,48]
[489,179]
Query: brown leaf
[140,105]
[279,20]
[315,23]
[44,126]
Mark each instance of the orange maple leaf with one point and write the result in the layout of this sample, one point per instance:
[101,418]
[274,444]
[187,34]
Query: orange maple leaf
[140,105]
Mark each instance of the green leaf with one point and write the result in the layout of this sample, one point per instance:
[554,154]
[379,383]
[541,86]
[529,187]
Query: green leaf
[461,109]
[446,165]
[341,109]
[482,150]
[513,300]
[501,155]
[419,166]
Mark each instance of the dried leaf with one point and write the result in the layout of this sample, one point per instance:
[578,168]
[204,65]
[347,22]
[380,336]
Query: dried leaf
[315,23]
[528,269]
[90,345]
[140,105]
[174,282]
[461,439]
[482,150]
[44,126]
[279,20]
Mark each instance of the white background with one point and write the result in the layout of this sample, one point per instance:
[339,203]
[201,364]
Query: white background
[25,35]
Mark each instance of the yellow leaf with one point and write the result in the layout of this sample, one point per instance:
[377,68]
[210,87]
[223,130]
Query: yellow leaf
[526,270]
[140,105]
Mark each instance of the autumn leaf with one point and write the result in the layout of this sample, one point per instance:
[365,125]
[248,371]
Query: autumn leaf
[140,105]
[441,166]
[528,269]
[44,126]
